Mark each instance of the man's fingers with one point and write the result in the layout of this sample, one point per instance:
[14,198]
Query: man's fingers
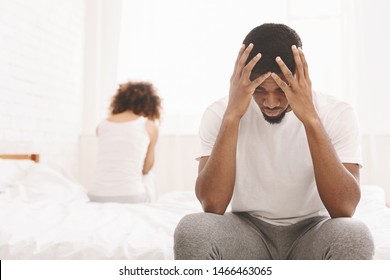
[304,63]
[282,84]
[298,62]
[286,72]
[238,57]
[259,80]
[241,59]
[249,67]
[244,56]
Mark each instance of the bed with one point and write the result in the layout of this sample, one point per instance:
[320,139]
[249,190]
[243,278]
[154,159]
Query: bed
[46,215]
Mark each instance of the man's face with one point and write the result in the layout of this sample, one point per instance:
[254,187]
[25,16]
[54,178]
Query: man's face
[271,100]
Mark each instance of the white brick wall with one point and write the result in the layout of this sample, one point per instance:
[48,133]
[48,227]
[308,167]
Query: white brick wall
[41,79]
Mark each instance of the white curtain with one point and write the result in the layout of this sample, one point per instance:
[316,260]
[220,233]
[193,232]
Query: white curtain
[102,30]
[372,95]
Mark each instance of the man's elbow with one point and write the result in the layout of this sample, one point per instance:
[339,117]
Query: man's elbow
[343,212]
[346,208]
[341,215]
[211,202]
[210,206]
[214,210]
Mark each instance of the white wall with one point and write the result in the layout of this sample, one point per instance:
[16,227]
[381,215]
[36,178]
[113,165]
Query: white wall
[41,80]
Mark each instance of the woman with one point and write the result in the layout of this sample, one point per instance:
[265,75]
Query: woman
[126,143]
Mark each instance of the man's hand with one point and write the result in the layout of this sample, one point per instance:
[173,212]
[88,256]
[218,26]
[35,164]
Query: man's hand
[298,90]
[241,87]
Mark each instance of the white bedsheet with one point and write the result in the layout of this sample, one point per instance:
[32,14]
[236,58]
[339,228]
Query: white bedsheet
[44,215]
[90,230]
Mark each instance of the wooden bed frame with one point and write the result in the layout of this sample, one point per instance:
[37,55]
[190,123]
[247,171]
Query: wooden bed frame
[33,157]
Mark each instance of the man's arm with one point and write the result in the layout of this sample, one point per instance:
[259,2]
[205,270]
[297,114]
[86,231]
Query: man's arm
[337,183]
[217,172]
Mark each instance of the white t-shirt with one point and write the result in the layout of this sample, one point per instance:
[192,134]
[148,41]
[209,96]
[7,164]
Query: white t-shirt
[122,149]
[274,171]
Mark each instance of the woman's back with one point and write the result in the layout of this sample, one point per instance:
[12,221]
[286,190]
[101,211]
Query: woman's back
[126,146]
[122,148]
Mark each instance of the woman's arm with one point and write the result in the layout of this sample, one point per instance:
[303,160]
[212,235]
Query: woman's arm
[152,130]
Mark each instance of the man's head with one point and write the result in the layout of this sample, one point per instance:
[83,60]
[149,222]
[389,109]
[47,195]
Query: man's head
[272,40]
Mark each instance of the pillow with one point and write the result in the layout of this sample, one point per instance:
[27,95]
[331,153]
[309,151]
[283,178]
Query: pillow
[12,169]
[41,183]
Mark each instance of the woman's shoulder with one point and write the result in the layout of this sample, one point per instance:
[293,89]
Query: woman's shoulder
[151,125]
[123,117]
[151,128]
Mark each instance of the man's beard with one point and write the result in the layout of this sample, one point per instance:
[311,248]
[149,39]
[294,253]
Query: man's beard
[275,120]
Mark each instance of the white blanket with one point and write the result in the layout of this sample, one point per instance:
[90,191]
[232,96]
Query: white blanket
[373,211]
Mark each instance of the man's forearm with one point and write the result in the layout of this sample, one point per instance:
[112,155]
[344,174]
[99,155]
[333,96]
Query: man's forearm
[215,183]
[338,188]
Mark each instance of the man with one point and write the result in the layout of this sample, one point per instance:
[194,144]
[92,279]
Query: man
[285,158]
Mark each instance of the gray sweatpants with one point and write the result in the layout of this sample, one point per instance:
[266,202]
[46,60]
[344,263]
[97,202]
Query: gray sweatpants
[241,236]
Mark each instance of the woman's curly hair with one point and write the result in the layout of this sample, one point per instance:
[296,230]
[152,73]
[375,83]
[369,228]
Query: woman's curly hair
[139,97]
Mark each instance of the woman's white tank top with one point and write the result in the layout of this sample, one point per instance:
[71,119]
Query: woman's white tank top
[121,154]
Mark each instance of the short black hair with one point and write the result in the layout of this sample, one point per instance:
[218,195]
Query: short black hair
[272,40]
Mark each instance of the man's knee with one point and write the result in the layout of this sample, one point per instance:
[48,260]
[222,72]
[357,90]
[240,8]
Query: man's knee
[191,226]
[183,229]
[191,234]
[352,239]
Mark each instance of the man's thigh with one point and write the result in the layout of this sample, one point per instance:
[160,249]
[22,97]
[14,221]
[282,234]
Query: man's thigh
[212,236]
